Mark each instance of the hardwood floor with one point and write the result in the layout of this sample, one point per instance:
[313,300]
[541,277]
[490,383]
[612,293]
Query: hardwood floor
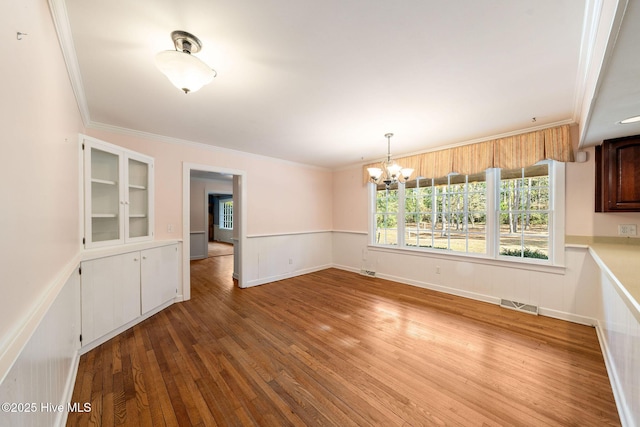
[219,248]
[336,348]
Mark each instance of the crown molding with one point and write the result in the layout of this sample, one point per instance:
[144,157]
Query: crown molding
[200,145]
[65,38]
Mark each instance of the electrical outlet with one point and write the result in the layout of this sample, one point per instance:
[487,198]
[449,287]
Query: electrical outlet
[290,261]
[170,228]
[437,269]
[627,230]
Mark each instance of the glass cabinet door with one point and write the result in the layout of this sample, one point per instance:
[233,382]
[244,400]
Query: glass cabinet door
[104,196]
[138,199]
[118,194]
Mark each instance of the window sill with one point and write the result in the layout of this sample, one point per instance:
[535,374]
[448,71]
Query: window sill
[522,264]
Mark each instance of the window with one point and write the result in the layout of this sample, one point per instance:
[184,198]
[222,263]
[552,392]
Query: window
[387,217]
[501,214]
[226,214]
[448,213]
[524,212]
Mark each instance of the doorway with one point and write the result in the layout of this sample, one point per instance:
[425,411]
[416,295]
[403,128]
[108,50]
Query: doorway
[196,235]
[219,218]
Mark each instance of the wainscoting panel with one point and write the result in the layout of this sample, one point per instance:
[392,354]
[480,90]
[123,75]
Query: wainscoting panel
[43,376]
[619,330]
[568,293]
[276,257]
[198,245]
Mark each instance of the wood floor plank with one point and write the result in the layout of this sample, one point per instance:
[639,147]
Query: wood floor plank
[337,348]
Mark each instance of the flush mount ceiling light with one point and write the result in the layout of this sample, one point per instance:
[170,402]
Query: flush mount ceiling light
[184,70]
[391,171]
[633,119]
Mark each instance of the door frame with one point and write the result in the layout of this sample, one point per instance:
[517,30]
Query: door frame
[240,218]
[206,208]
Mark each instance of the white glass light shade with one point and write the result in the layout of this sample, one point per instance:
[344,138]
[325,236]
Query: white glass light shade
[374,173]
[184,71]
[393,169]
[406,173]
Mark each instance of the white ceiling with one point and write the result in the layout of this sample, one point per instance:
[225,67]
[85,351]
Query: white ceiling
[321,82]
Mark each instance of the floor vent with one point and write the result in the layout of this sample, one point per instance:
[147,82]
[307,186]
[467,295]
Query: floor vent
[514,305]
[368,273]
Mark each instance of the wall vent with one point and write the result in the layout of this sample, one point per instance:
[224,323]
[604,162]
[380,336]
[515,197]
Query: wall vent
[519,306]
[369,273]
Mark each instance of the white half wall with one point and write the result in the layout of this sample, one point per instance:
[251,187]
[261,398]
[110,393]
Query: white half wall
[222,234]
[198,245]
[276,257]
[619,333]
[564,293]
[44,373]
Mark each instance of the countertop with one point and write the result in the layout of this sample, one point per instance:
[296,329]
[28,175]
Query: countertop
[620,257]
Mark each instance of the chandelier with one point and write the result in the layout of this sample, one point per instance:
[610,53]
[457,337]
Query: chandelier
[391,172]
[184,70]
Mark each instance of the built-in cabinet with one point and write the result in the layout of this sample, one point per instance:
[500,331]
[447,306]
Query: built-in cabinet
[125,275]
[118,194]
[110,294]
[119,289]
[158,277]
[618,175]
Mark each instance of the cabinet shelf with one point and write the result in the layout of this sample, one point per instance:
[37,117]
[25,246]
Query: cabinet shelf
[118,194]
[103,181]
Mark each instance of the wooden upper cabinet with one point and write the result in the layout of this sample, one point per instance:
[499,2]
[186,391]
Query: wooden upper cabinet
[618,175]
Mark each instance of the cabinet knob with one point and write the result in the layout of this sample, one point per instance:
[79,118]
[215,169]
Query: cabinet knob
[135,259]
[144,257]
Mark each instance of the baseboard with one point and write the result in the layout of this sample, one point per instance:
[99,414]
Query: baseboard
[345,268]
[289,275]
[626,417]
[561,315]
[61,420]
[443,289]
[569,317]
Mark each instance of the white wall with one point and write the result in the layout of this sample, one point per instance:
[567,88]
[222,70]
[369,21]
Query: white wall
[277,257]
[39,171]
[45,371]
[619,327]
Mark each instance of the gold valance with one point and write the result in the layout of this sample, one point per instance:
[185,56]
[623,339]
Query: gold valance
[511,152]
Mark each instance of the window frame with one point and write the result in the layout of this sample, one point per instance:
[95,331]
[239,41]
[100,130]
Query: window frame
[556,223]
[223,220]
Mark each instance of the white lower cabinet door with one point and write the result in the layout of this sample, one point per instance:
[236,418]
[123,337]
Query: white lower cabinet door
[110,294]
[158,276]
